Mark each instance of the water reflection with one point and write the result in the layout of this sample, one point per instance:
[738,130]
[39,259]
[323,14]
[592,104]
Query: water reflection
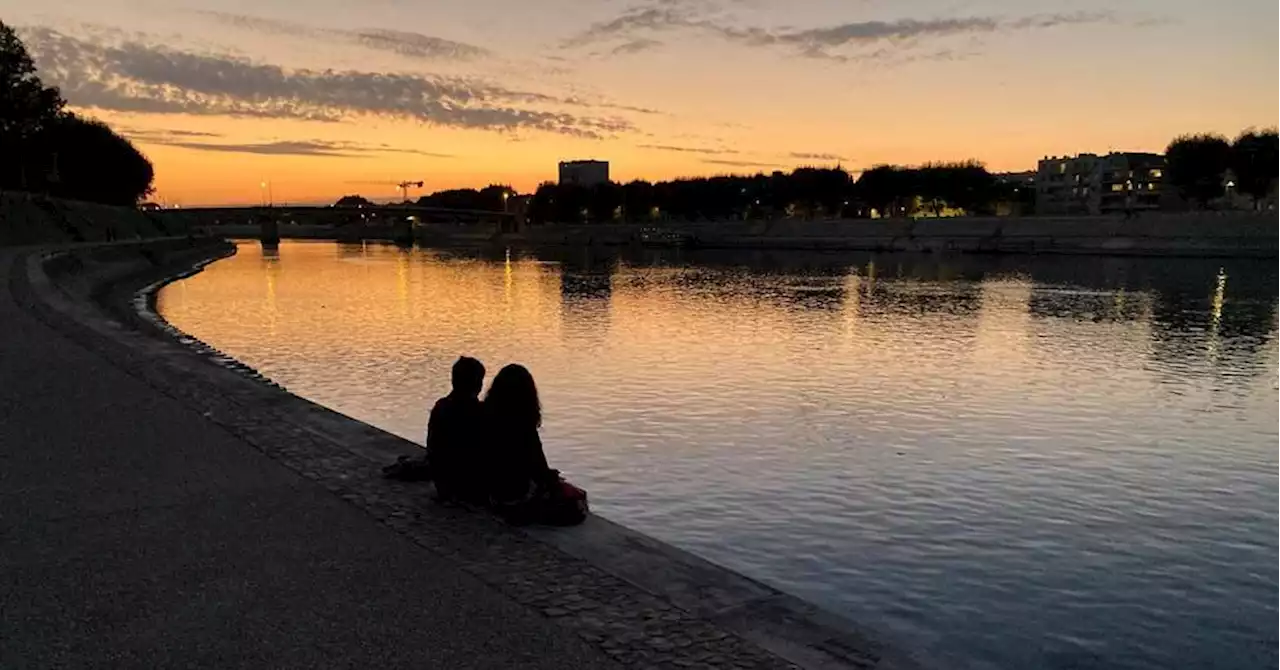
[1012,462]
[586,293]
[271,264]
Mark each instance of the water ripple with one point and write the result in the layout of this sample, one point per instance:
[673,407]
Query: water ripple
[1006,463]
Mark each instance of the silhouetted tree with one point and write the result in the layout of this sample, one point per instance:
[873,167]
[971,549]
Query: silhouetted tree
[820,191]
[804,193]
[604,202]
[1196,165]
[639,201]
[567,203]
[353,201]
[488,198]
[86,160]
[49,150]
[494,197]
[1255,162]
[27,106]
[886,188]
[970,187]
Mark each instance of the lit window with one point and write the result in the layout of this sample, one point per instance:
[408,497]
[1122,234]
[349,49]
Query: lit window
[1156,174]
[1117,187]
[1062,168]
[1151,186]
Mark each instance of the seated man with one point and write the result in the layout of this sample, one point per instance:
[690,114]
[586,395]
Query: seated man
[453,434]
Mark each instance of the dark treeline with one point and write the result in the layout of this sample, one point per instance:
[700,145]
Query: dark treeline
[491,198]
[1198,165]
[47,149]
[805,192]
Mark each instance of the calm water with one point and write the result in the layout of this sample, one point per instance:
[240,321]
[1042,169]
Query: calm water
[1002,463]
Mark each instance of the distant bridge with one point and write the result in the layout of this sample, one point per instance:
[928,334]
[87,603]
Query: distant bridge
[369,216]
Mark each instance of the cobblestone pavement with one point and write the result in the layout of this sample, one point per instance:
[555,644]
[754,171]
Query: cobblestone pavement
[633,627]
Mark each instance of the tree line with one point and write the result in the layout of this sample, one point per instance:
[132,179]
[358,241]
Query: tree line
[47,149]
[1198,167]
[493,198]
[1201,166]
[806,192]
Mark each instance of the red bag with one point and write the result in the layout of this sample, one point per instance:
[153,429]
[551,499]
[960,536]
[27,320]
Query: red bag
[570,492]
[566,507]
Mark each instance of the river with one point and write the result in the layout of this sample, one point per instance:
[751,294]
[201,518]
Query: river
[1001,462]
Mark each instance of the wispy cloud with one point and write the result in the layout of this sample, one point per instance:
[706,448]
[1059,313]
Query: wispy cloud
[805,156]
[691,150]
[301,148]
[281,148]
[745,164]
[160,135]
[200,141]
[408,44]
[635,46]
[816,42]
[638,26]
[415,45]
[133,76]
[404,43]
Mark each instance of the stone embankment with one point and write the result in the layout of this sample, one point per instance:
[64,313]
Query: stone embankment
[1226,234]
[1210,234]
[241,502]
[33,219]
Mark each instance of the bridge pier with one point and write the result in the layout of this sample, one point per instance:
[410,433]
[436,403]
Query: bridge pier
[269,230]
[402,232]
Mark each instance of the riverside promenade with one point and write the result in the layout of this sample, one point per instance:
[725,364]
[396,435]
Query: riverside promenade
[163,506]
[136,532]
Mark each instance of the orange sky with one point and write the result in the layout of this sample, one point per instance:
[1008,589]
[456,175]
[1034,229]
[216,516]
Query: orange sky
[344,97]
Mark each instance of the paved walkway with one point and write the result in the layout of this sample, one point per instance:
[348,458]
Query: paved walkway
[136,532]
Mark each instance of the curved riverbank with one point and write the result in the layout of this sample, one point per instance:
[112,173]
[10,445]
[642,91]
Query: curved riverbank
[637,600]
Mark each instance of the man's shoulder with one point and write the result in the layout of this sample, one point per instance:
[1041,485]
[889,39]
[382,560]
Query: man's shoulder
[452,404]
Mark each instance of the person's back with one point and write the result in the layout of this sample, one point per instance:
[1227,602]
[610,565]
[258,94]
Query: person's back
[514,456]
[453,433]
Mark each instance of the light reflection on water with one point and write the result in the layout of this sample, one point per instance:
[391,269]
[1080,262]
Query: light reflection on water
[1016,463]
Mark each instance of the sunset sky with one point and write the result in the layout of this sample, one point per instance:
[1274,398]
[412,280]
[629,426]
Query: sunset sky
[328,97]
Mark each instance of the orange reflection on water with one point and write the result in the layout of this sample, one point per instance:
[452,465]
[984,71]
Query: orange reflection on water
[387,322]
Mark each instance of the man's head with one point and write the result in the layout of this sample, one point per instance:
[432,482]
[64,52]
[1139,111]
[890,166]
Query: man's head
[468,376]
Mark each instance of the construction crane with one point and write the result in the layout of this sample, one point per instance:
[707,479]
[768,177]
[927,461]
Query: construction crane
[404,186]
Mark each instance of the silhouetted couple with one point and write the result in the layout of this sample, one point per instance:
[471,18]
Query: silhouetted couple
[489,451]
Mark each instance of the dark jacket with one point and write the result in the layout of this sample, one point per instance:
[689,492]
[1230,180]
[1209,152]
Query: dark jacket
[453,445]
[514,457]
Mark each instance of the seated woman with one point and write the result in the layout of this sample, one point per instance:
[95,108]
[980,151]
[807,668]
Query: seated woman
[512,414]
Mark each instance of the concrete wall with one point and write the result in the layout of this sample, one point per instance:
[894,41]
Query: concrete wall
[33,219]
[1192,234]
[1189,234]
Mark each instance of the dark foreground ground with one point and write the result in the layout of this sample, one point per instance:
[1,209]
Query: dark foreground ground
[162,506]
[135,532]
